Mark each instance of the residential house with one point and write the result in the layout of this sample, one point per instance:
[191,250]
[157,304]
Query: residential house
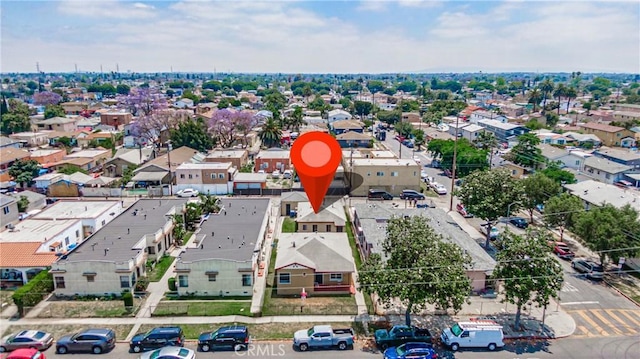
[249,183]
[53,137]
[27,259]
[228,253]
[273,159]
[289,202]
[352,139]
[183,103]
[551,138]
[62,124]
[43,182]
[370,224]
[551,154]
[9,207]
[162,171]
[432,133]
[386,106]
[30,139]
[574,159]
[89,124]
[112,259]
[516,171]
[582,140]
[56,236]
[45,157]
[411,117]
[481,115]
[604,170]
[595,194]
[342,126]
[88,160]
[610,135]
[389,174]
[93,214]
[8,142]
[512,110]
[74,108]
[211,178]
[116,119]
[619,155]
[126,158]
[454,128]
[337,115]
[503,131]
[321,263]
[471,132]
[9,155]
[90,139]
[331,218]
[238,158]
[628,107]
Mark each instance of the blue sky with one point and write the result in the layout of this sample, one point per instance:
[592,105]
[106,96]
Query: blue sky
[320,36]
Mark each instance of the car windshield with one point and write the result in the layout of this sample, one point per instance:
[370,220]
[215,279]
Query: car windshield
[401,350]
[213,334]
[155,354]
[39,335]
[456,330]
[310,332]
[183,352]
[597,268]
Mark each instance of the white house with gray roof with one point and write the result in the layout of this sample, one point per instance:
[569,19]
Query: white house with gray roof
[370,223]
[227,254]
[112,259]
[604,170]
[594,193]
[331,218]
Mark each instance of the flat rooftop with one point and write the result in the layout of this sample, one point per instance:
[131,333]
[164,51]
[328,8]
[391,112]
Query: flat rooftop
[224,234]
[40,231]
[598,193]
[79,209]
[121,234]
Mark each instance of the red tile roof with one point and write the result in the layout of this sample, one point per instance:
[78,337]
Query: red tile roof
[23,254]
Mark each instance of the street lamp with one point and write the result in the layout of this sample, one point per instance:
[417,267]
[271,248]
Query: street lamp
[509,208]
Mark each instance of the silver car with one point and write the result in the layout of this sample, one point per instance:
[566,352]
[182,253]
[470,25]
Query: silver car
[592,269]
[26,339]
[170,353]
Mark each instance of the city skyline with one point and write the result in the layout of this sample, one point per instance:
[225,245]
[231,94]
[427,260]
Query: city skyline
[320,37]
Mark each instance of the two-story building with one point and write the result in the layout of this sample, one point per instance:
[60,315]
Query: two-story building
[9,155]
[389,174]
[126,158]
[604,170]
[56,236]
[410,117]
[207,177]
[93,214]
[62,124]
[31,139]
[504,132]
[116,119]
[88,160]
[351,139]
[238,158]
[337,115]
[113,258]
[619,155]
[9,207]
[273,159]
[481,115]
[342,126]
[610,135]
[45,157]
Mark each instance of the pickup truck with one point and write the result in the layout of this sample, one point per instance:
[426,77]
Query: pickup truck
[400,334]
[323,337]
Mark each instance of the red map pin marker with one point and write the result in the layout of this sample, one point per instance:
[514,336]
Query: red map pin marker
[315,157]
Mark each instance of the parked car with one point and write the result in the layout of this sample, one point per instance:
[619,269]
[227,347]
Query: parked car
[592,269]
[275,174]
[399,138]
[563,251]
[400,334]
[424,175]
[479,334]
[26,339]
[411,194]
[170,353]
[379,194]
[228,338]
[188,192]
[408,143]
[463,211]
[493,234]
[157,338]
[519,222]
[323,337]
[26,353]
[440,189]
[287,174]
[411,350]
[94,341]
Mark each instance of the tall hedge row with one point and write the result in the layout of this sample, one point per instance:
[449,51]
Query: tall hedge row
[34,291]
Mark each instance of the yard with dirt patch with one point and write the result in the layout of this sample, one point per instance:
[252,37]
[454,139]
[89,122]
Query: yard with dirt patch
[203,308]
[122,330]
[339,305]
[88,309]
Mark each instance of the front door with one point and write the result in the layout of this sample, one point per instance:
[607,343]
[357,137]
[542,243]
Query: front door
[288,209]
[319,279]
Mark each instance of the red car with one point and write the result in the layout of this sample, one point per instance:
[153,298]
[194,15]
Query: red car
[563,251]
[26,353]
[400,138]
[463,211]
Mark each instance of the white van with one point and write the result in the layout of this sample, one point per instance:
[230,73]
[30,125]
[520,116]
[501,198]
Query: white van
[478,334]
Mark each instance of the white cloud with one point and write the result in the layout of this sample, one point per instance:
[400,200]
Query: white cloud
[420,3]
[372,5]
[106,9]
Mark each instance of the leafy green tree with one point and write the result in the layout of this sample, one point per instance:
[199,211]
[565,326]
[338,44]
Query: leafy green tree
[24,171]
[192,215]
[526,152]
[488,141]
[270,134]
[123,89]
[297,119]
[559,175]
[69,170]
[418,137]
[17,119]
[209,203]
[23,204]
[375,86]
[390,117]
[362,108]
[489,195]
[561,211]
[223,103]
[537,190]
[414,269]
[404,129]
[527,271]
[408,86]
[51,111]
[191,96]
[193,134]
[409,106]
[535,96]
[611,232]
[469,157]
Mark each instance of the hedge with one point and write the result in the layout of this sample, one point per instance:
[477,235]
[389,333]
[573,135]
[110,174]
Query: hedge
[172,284]
[128,300]
[30,294]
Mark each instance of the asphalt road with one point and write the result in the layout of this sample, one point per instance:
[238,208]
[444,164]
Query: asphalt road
[619,347]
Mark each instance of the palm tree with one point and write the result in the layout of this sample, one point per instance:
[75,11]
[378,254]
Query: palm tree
[570,93]
[488,141]
[535,96]
[296,120]
[560,92]
[546,87]
[307,92]
[270,134]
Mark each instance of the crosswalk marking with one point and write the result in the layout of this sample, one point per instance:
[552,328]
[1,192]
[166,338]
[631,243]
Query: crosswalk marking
[568,287]
[626,314]
[606,322]
[585,331]
[591,322]
[625,325]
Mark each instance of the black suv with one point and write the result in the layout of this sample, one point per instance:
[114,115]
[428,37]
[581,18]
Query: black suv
[94,341]
[411,194]
[157,338]
[228,338]
[379,194]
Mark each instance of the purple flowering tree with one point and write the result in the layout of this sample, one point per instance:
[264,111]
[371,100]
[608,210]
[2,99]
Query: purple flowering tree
[244,122]
[222,125]
[46,98]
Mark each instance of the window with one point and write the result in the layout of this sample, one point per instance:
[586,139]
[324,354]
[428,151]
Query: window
[159,247]
[246,280]
[607,176]
[182,176]
[183,281]
[77,233]
[284,278]
[577,162]
[380,174]
[368,174]
[328,228]
[394,174]
[220,175]
[124,281]
[5,210]
[91,278]
[304,227]
[213,176]
[212,276]
[60,283]
[339,229]
[336,277]
[66,241]
[151,250]
[190,176]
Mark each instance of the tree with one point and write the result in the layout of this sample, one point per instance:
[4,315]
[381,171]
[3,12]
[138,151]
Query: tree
[362,108]
[557,174]
[527,271]
[489,195]
[296,120]
[69,170]
[611,232]
[414,269]
[123,89]
[535,96]
[270,134]
[561,211]
[537,189]
[24,171]
[560,92]
[404,129]
[51,111]
[409,106]
[193,134]
[375,86]
[16,119]
[307,92]
[23,204]
[526,152]
[209,203]
[418,137]
[488,141]
[570,93]
[226,122]
[469,157]
[46,98]
[390,117]
[546,87]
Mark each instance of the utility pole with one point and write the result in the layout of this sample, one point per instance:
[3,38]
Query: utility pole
[453,166]
[170,172]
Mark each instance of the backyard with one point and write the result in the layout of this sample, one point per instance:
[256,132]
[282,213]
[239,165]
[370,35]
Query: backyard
[203,308]
[288,225]
[358,261]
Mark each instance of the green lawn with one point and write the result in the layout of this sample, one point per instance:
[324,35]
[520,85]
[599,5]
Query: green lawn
[160,269]
[288,226]
[358,260]
[210,308]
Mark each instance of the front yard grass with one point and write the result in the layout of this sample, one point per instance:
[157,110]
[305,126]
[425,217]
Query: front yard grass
[88,309]
[358,261]
[336,305]
[60,330]
[208,308]
[288,225]
[160,268]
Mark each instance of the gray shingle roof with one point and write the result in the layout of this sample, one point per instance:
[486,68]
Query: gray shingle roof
[605,165]
[323,252]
